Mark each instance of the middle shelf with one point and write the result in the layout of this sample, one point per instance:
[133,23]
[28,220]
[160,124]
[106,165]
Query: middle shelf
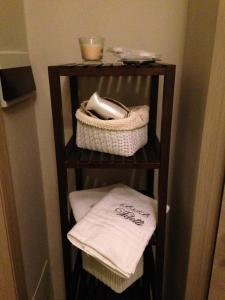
[148,157]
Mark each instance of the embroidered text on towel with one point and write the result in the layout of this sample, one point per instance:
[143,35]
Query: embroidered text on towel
[128,212]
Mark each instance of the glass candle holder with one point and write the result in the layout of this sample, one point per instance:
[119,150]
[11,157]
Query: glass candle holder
[91,48]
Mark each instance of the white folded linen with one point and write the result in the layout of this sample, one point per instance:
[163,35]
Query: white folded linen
[117,229]
[81,202]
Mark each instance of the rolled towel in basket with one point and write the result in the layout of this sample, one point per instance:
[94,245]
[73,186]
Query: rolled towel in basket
[81,203]
[117,229]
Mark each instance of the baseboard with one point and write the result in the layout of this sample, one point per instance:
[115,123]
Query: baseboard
[44,289]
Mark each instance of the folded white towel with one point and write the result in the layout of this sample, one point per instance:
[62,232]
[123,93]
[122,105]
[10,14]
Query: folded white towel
[81,202]
[117,229]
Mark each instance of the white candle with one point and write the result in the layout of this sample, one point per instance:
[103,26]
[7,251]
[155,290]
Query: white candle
[91,48]
[91,51]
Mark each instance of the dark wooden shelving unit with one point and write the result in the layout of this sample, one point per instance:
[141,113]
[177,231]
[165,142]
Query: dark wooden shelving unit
[155,155]
[147,157]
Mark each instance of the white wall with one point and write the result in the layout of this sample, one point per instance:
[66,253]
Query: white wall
[201,26]
[24,156]
[218,271]
[12,26]
[22,142]
[53,29]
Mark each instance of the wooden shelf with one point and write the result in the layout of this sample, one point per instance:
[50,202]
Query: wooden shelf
[146,158]
[112,70]
[155,155]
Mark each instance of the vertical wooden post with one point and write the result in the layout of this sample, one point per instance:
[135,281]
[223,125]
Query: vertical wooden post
[166,118]
[57,114]
[74,106]
[153,102]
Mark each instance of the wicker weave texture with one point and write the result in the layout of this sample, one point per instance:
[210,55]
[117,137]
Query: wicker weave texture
[118,142]
[112,280]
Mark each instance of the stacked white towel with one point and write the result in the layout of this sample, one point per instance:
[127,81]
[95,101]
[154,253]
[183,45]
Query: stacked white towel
[117,229]
[81,202]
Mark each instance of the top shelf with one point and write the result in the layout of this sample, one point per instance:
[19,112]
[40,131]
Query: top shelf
[149,69]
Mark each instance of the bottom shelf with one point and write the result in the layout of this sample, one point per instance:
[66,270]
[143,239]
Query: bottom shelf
[86,287]
[89,288]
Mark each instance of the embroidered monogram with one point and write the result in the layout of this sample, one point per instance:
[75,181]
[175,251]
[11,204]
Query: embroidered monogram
[128,212]
[132,208]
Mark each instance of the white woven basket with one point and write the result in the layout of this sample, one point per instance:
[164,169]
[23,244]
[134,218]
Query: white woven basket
[121,137]
[115,282]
